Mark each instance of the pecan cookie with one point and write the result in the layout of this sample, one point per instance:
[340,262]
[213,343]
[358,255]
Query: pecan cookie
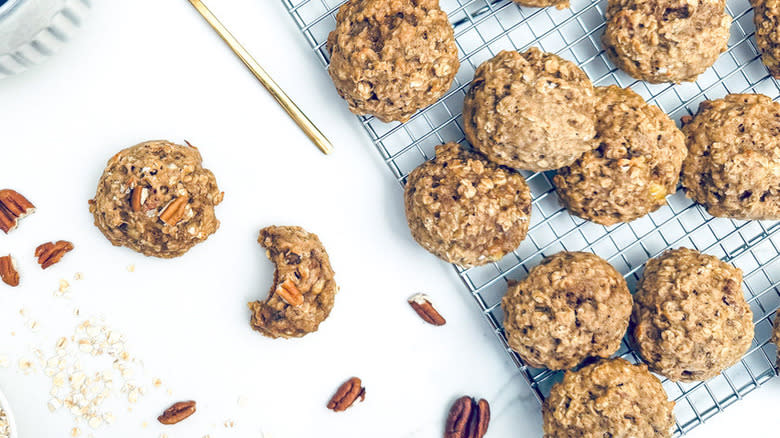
[690,318]
[733,163]
[530,110]
[609,398]
[636,164]
[303,291]
[767,18]
[572,306]
[390,58]
[666,40]
[465,209]
[156,198]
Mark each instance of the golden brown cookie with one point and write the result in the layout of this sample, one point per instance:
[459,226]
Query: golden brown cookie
[609,398]
[666,40]
[303,291]
[530,110]
[733,163]
[156,198]
[690,319]
[767,19]
[390,58]
[635,165]
[465,209]
[572,306]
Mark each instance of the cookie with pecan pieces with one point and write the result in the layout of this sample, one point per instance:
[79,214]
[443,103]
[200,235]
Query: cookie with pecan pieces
[303,291]
[156,198]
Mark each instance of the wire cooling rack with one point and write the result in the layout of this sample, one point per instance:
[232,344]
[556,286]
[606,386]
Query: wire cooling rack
[485,27]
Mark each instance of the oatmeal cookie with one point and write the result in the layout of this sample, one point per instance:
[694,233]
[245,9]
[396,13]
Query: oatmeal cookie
[156,198]
[572,306]
[733,163]
[609,398]
[690,319]
[465,209]
[666,40]
[530,110]
[636,164]
[390,58]
[767,18]
[303,291]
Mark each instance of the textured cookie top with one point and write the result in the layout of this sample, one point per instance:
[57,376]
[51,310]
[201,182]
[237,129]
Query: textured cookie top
[572,306]
[464,209]
[610,398]
[690,317]
[636,164]
[301,261]
[157,199]
[767,19]
[733,163]
[666,40]
[530,110]
[390,58]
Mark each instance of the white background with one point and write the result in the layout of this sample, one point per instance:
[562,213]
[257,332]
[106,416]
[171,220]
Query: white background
[151,69]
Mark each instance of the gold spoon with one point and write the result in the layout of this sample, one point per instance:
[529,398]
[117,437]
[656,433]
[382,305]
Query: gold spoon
[311,131]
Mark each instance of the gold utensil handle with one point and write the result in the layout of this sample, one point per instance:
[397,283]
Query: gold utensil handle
[284,100]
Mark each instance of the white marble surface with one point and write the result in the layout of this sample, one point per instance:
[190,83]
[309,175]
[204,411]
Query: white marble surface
[149,69]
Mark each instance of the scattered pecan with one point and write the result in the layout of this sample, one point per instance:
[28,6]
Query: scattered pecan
[178,412]
[8,272]
[50,253]
[174,211]
[421,304]
[138,197]
[468,418]
[13,207]
[346,395]
[289,293]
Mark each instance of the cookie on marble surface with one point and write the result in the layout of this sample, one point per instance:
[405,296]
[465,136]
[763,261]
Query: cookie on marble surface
[609,398]
[666,40]
[464,209]
[303,291]
[690,319]
[767,19]
[530,110]
[572,306]
[156,198]
[733,163]
[390,58]
[636,163]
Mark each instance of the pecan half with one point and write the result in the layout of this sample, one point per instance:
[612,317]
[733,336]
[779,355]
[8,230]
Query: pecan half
[50,253]
[346,395]
[174,211]
[421,304]
[178,412]
[289,293]
[8,272]
[467,418]
[13,207]
[138,197]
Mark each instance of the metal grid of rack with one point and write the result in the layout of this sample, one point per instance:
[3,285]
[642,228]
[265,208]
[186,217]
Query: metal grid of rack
[485,27]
